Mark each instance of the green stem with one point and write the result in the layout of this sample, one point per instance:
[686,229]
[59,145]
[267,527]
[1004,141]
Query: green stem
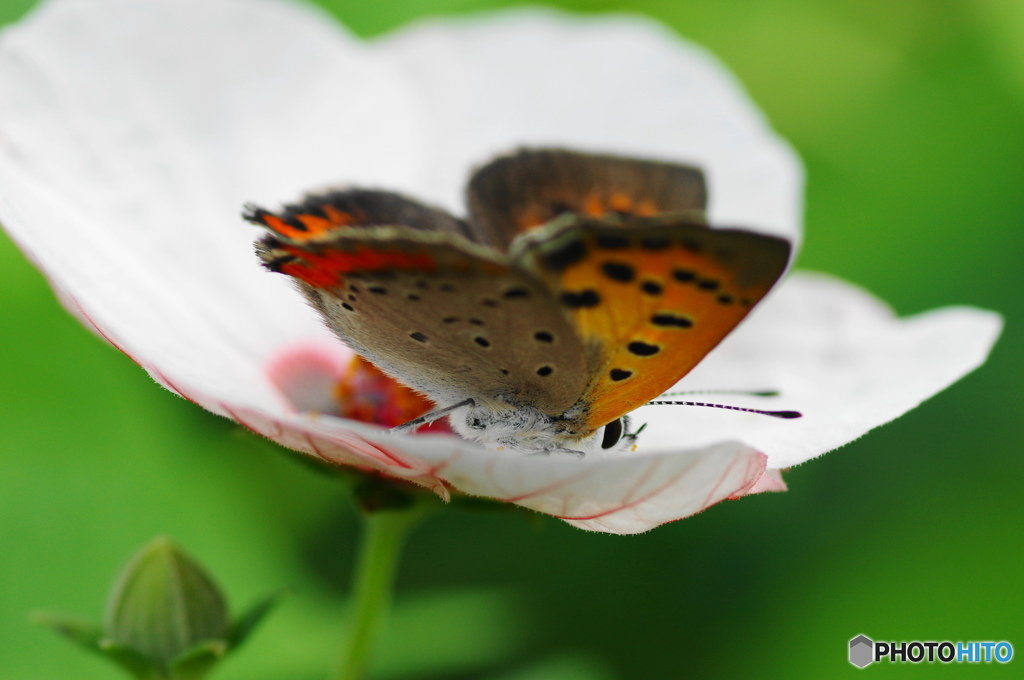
[384,535]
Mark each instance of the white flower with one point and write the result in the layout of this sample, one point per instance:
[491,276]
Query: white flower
[131,133]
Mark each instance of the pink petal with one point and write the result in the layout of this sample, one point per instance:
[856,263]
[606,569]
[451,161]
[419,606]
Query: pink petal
[771,480]
[307,375]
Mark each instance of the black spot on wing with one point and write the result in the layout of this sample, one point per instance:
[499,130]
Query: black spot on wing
[642,349]
[618,271]
[668,320]
[516,293]
[652,287]
[566,255]
[584,298]
[275,264]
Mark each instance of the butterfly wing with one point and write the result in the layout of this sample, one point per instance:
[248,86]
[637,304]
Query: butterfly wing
[612,290]
[649,297]
[522,191]
[320,215]
[441,314]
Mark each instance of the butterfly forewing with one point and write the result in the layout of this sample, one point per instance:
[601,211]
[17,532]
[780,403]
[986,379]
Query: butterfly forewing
[649,296]
[439,313]
[522,191]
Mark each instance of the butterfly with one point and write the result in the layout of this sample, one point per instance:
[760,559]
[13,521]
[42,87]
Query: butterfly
[580,287]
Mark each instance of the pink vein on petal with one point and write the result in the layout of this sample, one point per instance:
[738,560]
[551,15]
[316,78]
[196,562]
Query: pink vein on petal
[391,456]
[626,506]
[361,448]
[762,464]
[96,327]
[241,421]
[435,470]
[654,465]
[316,449]
[550,487]
[567,501]
[721,480]
[162,377]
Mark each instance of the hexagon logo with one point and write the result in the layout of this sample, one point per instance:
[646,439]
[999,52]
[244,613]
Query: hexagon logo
[862,651]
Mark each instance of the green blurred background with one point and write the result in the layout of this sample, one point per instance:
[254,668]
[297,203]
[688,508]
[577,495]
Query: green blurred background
[910,118]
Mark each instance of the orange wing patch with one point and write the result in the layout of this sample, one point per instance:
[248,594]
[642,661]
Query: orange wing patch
[651,298]
[328,268]
[321,215]
[330,235]
[327,261]
[302,223]
[593,204]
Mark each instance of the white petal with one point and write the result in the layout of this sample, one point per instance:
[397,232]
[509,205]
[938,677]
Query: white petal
[838,355]
[624,495]
[621,83]
[132,132]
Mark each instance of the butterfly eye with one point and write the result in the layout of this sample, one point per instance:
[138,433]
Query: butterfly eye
[612,434]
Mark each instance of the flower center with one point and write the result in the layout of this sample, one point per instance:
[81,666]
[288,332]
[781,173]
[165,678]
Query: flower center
[316,378]
[365,393]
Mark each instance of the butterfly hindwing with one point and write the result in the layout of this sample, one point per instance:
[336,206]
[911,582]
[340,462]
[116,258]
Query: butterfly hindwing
[650,297]
[443,315]
[522,191]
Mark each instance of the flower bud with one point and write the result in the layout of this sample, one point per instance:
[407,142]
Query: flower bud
[164,605]
[166,618]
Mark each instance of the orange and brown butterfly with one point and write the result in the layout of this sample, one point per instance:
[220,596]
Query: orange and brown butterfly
[579,288]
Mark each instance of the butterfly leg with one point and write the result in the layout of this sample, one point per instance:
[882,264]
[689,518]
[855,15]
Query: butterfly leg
[429,417]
